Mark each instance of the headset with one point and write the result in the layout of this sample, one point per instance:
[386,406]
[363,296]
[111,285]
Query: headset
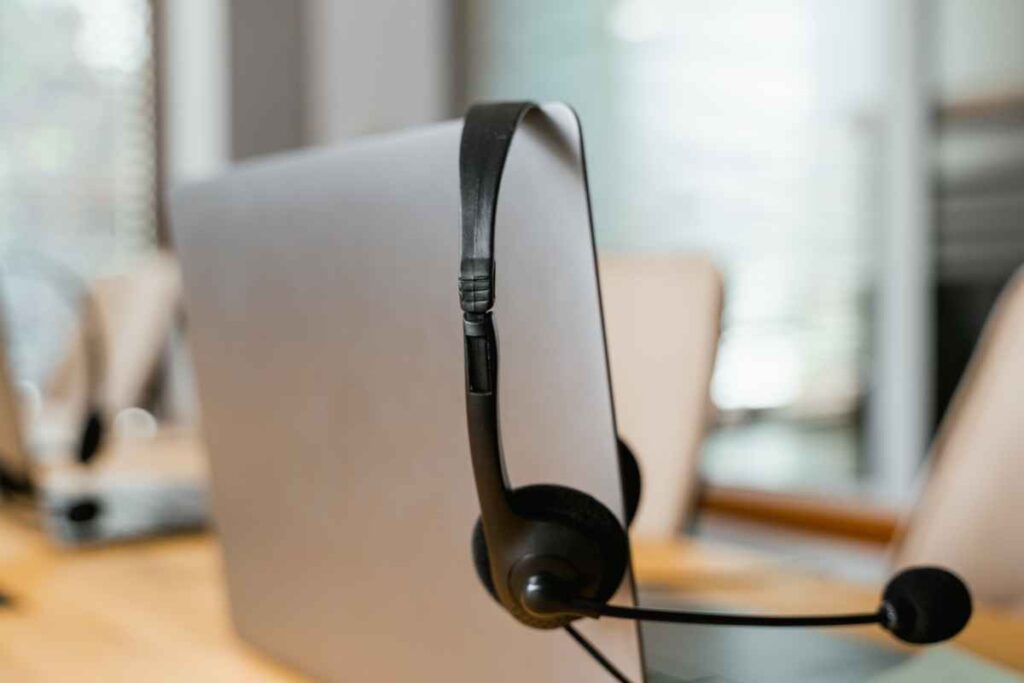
[553,554]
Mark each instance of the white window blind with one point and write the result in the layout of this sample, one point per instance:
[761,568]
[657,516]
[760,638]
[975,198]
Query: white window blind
[77,155]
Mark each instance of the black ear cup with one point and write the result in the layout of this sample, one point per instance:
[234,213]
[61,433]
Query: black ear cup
[632,480]
[481,561]
[632,488]
[578,511]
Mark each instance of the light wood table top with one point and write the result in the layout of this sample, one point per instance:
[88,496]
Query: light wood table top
[146,611]
[156,610]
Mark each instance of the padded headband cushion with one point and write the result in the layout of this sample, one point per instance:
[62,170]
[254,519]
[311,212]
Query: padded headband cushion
[576,510]
[487,132]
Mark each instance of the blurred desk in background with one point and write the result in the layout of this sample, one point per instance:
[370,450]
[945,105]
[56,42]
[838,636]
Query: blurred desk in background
[152,610]
[156,610]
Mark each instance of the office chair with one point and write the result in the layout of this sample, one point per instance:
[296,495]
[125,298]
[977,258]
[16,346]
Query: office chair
[136,311]
[662,315]
[971,515]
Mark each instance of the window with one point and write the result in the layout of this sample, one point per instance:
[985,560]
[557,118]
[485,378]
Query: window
[748,131]
[77,156]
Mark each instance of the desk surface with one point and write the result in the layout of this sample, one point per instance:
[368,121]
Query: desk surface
[156,610]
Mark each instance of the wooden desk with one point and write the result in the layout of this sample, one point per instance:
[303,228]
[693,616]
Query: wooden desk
[151,610]
[156,610]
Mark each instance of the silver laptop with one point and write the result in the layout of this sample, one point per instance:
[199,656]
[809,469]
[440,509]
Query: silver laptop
[320,290]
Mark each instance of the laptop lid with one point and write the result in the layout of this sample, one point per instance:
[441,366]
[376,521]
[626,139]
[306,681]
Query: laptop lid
[320,290]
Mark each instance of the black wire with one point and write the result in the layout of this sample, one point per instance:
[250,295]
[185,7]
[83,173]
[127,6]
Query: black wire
[596,654]
[595,609]
[640,614]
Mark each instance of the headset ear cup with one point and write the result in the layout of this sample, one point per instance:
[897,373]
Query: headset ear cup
[588,516]
[632,480]
[481,560]
[575,509]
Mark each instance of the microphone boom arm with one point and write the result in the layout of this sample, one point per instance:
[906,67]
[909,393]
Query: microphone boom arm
[596,610]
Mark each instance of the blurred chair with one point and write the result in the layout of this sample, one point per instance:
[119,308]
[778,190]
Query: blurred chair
[971,515]
[662,315]
[136,312]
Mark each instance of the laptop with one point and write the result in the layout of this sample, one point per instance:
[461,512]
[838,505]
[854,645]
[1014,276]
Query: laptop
[320,289]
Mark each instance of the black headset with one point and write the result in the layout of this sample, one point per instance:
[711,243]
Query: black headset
[552,554]
[540,530]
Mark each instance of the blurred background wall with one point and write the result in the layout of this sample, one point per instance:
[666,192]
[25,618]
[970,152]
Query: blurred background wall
[854,167]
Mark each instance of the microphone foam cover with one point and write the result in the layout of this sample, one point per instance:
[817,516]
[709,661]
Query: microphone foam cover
[929,605]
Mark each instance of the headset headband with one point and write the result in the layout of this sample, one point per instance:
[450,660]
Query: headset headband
[486,138]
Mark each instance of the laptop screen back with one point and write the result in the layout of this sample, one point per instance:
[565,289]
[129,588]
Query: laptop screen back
[321,296]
